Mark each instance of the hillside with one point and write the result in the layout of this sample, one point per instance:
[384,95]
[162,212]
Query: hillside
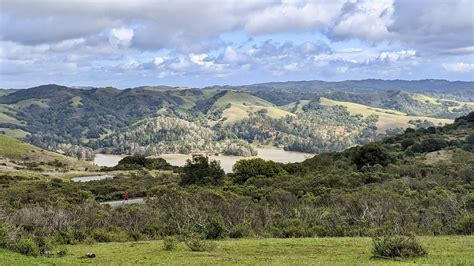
[417,183]
[387,119]
[239,105]
[76,121]
[461,89]
[17,156]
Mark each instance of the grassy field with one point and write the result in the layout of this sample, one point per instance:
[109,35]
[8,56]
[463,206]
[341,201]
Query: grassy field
[14,133]
[452,250]
[243,103]
[387,118]
[14,149]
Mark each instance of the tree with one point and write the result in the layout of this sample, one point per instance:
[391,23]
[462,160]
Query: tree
[433,144]
[202,171]
[407,143]
[470,139]
[245,169]
[371,154]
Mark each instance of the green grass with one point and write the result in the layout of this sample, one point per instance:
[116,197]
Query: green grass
[14,149]
[76,101]
[387,118]
[4,118]
[15,133]
[450,250]
[243,104]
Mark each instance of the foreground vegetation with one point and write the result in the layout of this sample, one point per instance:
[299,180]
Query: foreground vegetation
[452,250]
[419,182]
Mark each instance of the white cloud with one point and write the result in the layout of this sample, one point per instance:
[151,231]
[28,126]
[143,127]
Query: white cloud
[121,37]
[289,16]
[365,19]
[459,67]
[392,57]
[158,60]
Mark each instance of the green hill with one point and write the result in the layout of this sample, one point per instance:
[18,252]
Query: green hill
[18,151]
[387,119]
[238,105]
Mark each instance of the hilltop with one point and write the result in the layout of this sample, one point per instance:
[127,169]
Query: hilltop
[310,116]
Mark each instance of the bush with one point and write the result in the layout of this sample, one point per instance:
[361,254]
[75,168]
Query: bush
[28,247]
[202,171]
[397,247]
[170,243]
[371,154]
[4,239]
[290,228]
[44,244]
[465,225]
[215,228]
[62,252]
[104,235]
[240,231]
[197,244]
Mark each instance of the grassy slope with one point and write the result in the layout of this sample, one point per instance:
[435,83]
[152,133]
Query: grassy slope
[387,118]
[14,149]
[433,100]
[243,103]
[450,250]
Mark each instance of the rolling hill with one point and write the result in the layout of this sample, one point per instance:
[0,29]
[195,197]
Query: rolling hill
[299,116]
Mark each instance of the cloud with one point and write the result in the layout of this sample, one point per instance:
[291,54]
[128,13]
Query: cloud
[364,19]
[459,67]
[121,37]
[292,17]
[392,57]
[434,24]
[233,40]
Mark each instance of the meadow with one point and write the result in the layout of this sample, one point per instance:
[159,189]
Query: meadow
[443,250]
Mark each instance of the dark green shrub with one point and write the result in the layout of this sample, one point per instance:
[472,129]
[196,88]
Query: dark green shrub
[397,247]
[433,144]
[465,225]
[28,247]
[104,235]
[62,252]
[4,239]
[290,228]
[245,169]
[44,244]
[371,154]
[216,228]
[240,231]
[170,243]
[202,171]
[407,143]
[200,245]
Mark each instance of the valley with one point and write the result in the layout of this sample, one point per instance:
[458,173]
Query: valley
[220,175]
[229,121]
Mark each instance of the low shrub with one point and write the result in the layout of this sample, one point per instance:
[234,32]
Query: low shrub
[170,243]
[4,239]
[28,247]
[197,244]
[465,225]
[240,231]
[104,235]
[397,247]
[215,228]
[62,252]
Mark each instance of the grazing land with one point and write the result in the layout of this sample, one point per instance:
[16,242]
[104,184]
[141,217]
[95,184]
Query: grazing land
[445,250]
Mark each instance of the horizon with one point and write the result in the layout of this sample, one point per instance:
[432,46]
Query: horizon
[231,85]
[120,44]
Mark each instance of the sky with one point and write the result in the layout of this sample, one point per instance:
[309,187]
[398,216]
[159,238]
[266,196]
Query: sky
[125,43]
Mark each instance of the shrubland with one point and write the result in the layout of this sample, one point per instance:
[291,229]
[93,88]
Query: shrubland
[394,186]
